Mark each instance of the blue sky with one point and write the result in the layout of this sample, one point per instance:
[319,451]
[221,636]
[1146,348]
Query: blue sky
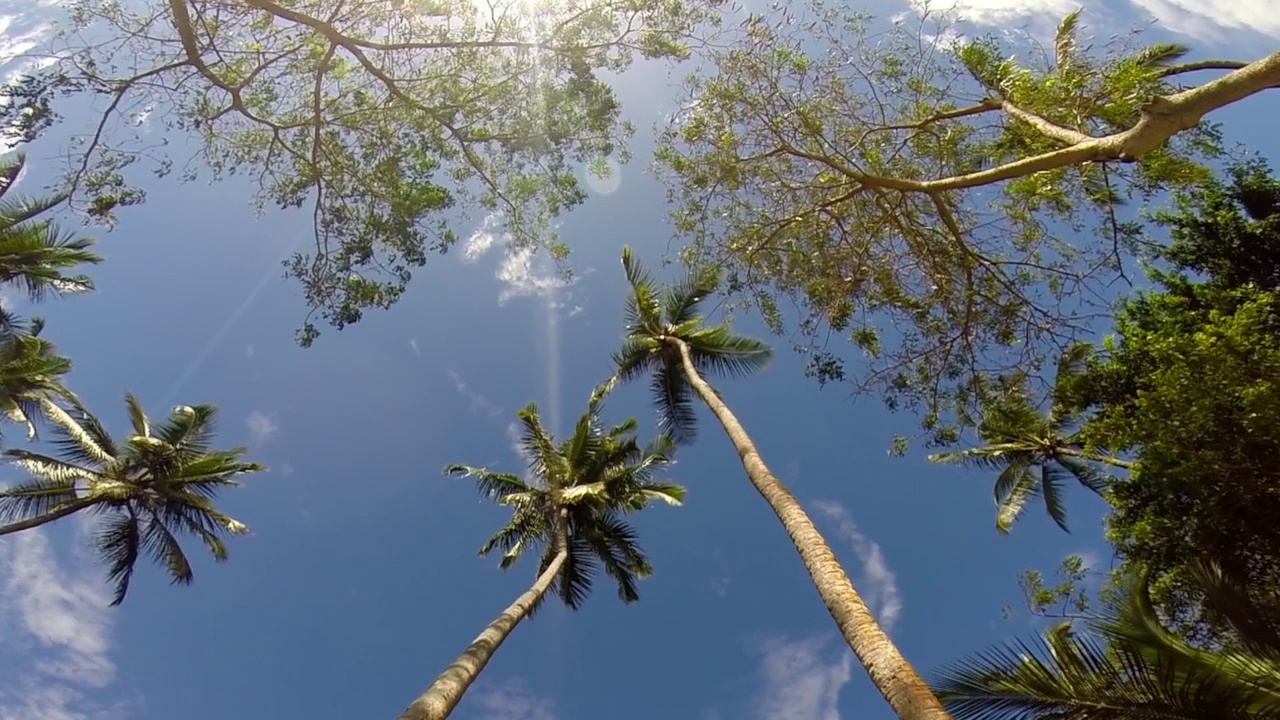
[360,581]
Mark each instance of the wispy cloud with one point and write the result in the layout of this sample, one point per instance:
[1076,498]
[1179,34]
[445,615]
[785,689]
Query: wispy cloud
[479,403]
[483,238]
[802,679]
[524,272]
[262,427]
[56,618]
[878,584]
[413,345]
[511,700]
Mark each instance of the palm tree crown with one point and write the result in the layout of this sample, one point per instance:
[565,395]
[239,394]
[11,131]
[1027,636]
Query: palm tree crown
[654,318]
[1129,667]
[34,253]
[1035,454]
[582,487]
[31,370]
[156,485]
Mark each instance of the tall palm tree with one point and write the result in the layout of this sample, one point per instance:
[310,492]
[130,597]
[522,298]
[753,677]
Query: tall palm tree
[1128,666]
[31,370]
[34,253]
[570,507]
[157,484]
[1036,454]
[667,339]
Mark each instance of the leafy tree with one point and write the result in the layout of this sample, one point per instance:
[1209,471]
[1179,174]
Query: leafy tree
[155,486]
[1036,454]
[570,507]
[667,339]
[31,371]
[35,254]
[384,117]
[1189,387]
[1129,667]
[929,206]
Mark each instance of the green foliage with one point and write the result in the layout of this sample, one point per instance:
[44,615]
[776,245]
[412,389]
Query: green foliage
[1129,666]
[1036,454]
[1191,387]
[35,254]
[855,177]
[388,120]
[657,315]
[581,487]
[145,492]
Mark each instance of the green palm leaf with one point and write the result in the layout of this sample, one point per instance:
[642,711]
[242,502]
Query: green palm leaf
[148,491]
[1128,667]
[583,485]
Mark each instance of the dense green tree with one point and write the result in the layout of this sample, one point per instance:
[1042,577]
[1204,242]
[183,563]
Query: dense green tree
[1189,387]
[930,206]
[570,507]
[387,119]
[156,485]
[1036,454]
[668,340]
[1129,666]
[35,254]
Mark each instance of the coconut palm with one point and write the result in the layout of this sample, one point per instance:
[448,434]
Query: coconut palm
[156,485]
[668,340]
[1128,666]
[570,508]
[34,253]
[31,370]
[1036,454]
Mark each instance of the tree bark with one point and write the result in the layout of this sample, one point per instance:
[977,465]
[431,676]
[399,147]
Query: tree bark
[446,692]
[68,509]
[903,688]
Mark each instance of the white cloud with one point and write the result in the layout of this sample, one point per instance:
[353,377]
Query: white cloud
[511,700]
[56,619]
[878,585]
[801,679]
[524,272]
[250,350]
[262,427]
[479,403]
[482,240]
[413,345]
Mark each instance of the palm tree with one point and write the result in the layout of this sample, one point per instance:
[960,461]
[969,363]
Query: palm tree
[570,507]
[1129,667]
[34,253]
[667,339]
[156,485]
[1036,454]
[31,370]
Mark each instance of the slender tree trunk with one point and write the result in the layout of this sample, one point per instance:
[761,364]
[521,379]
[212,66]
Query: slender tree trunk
[446,692]
[68,509]
[897,680]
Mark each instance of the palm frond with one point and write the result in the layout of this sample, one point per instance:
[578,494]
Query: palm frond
[164,550]
[35,497]
[1053,488]
[1065,42]
[673,398]
[1019,486]
[119,542]
[538,447]
[491,485]
[718,351]
[642,307]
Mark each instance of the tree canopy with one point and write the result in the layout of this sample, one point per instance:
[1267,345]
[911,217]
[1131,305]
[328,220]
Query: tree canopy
[1190,387]
[949,209]
[386,119]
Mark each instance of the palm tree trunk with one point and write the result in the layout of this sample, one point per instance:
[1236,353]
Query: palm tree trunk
[68,509]
[444,694]
[897,680]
